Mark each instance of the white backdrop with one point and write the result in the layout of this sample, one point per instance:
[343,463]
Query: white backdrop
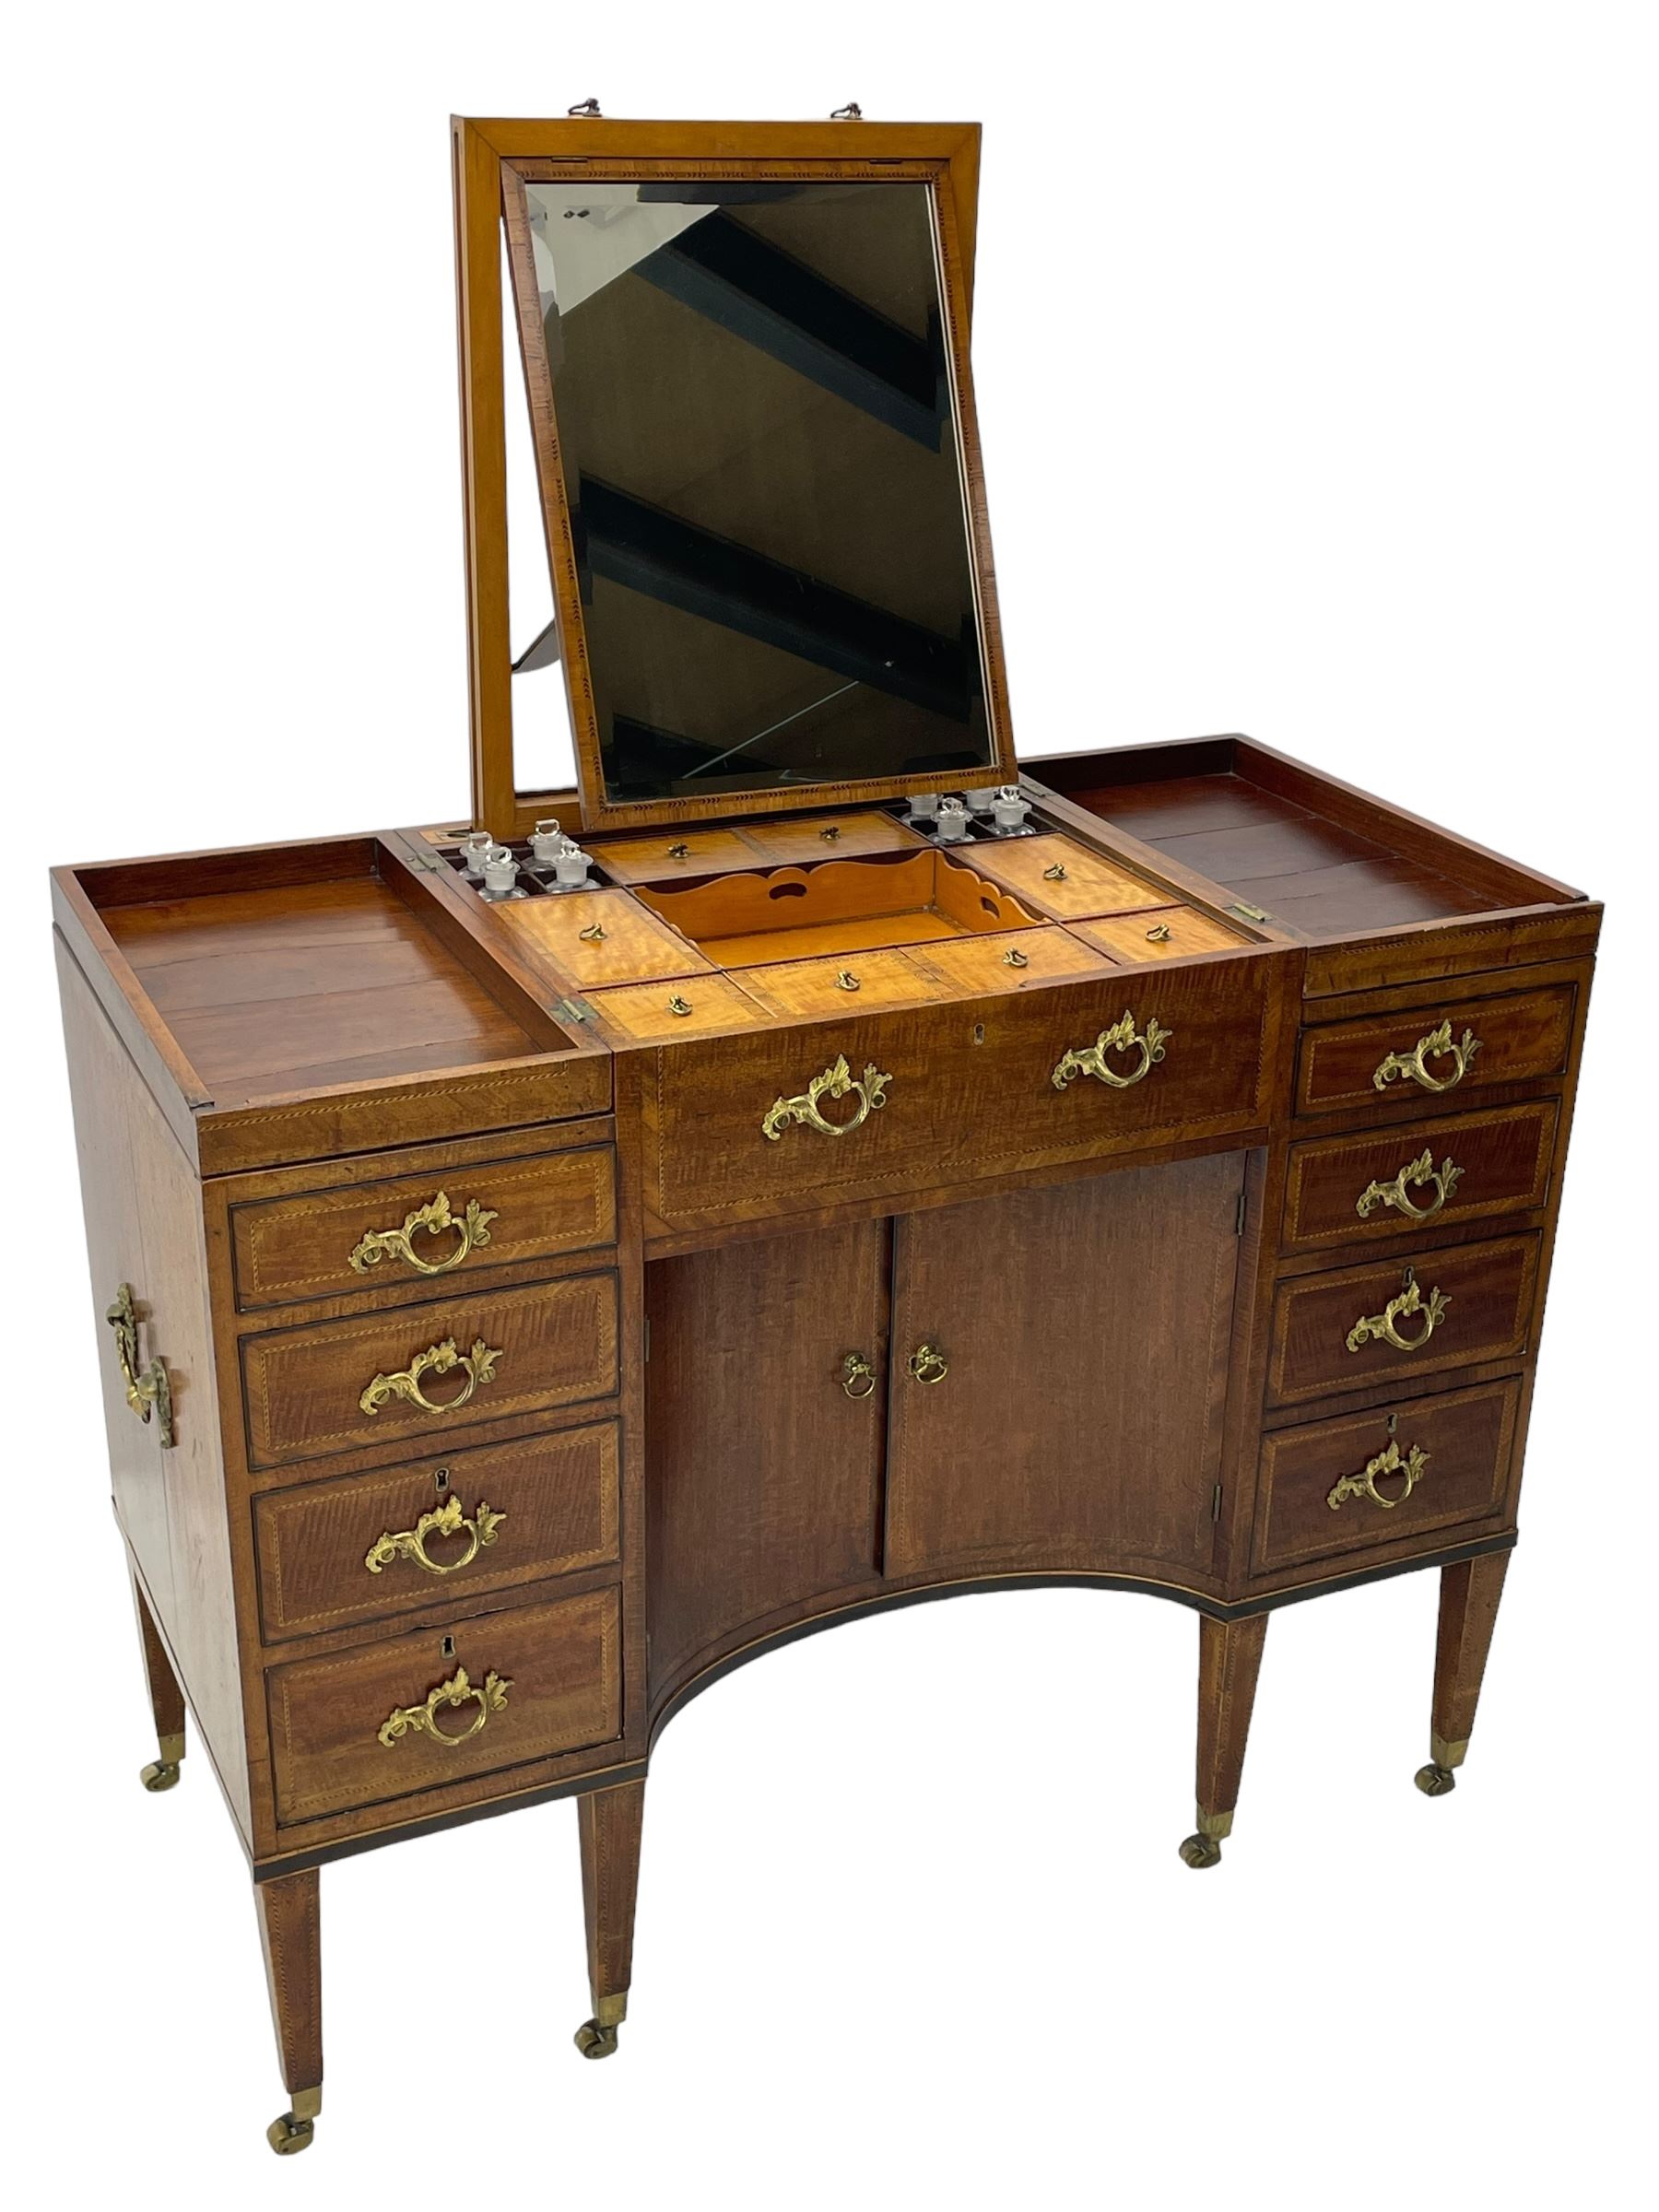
[1316,367]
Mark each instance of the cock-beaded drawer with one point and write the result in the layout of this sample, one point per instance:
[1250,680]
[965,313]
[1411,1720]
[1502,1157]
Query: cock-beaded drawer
[1417,1052]
[1381,1184]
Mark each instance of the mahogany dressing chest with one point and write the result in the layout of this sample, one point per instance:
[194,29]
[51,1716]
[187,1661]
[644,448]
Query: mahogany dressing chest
[541,1261]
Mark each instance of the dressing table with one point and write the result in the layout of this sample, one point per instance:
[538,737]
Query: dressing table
[541,1261]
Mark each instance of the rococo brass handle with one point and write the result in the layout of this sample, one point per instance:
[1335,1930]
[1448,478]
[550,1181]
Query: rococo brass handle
[1122,1036]
[1385,1463]
[1417,1172]
[1410,1300]
[437,1359]
[834,1083]
[432,1219]
[458,1690]
[1437,1045]
[855,1370]
[148,1388]
[928,1364]
[446,1519]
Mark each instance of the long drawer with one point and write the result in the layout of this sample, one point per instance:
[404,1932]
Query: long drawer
[368,1546]
[1407,1470]
[415,1711]
[1380,1183]
[929,1096]
[1352,1327]
[362,1237]
[1468,1046]
[445,1366]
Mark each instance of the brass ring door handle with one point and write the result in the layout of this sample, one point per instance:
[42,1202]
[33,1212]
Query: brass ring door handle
[836,1082]
[856,1369]
[927,1364]
[148,1388]
[446,1519]
[1122,1036]
[1384,1326]
[431,1219]
[459,1689]
[1414,1175]
[437,1359]
[1437,1045]
[1385,1463]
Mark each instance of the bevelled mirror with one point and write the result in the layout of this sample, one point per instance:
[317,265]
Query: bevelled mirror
[755,451]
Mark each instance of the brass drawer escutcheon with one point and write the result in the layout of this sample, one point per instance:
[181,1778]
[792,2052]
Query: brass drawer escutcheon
[1437,1045]
[856,1369]
[1122,1036]
[148,1388]
[1415,1174]
[927,1364]
[446,1519]
[1389,1462]
[836,1082]
[437,1359]
[1382,1327]
[432,1219]
[458,1690]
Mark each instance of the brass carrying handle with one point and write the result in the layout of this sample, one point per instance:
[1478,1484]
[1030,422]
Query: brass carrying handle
[1410,1300]
[1413,1175]
[1437,1045]
[835,1082]
[437,1359]
[1386,1462]
[148,1388]
[856,1368]
[927,1364]
[446,1519]
[432,1219]
[1122,1036]
[459,1689]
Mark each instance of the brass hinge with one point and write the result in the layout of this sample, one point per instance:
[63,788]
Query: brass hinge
[1216,1503]
[1251,914]
[423,856]
[574,1009]
[1239,1213]
[647,1336]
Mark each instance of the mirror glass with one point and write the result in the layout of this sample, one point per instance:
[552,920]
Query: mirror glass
[759,454]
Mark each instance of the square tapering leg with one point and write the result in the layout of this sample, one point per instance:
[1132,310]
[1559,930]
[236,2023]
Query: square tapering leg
[1229,1658]
[290,1931]
[167,1700]
[610,1822]
[1468,1614]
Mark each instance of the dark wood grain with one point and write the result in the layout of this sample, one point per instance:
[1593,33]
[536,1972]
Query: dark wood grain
[1229,1661]
[609,1824]
[1470,1593]
[290,1936]
[1521,1036]
[1504,1155]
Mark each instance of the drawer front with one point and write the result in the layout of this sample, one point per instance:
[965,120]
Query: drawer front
[1167,933]
[373,1235]
[1358,1326]
[1427,1051]
[420,1371]
[374,1723]
[1353,1190]
[1407,1470]
[372,1544]
[747,1126]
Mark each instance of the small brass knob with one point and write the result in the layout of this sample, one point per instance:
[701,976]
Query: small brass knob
[858,1377]
[592,934]
[1014,958]
[679,851]
[1056,873]
[846,980]
[676,1005]
[1158,934]
[830,836]
[927,1364]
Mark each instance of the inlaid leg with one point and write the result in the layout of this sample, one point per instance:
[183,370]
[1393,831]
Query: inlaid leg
[167,1702]
[610,1822]
[1468,1613]
[290,1931]
[1229,1657]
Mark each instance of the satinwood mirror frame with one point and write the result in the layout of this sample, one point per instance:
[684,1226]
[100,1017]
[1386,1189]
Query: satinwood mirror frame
[493,162]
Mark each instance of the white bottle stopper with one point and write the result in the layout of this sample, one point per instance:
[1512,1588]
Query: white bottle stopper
[923,809]
[474,846]
[955,822]
[547,840]
[983,800]
[500,872]
[1010,810]
[570,869]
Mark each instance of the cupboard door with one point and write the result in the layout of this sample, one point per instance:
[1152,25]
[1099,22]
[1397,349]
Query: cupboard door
[1059,1373]
[764,1449]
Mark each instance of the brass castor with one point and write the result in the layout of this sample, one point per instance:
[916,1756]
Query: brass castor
[287,2134]
[1202,1851]
[594,2041]
[161,1774]
[1435,1780]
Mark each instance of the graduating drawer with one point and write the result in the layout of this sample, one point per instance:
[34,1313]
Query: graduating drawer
[368,1236]
[1352,1327]
[428,1370]
[1406,1470]
[1354,1190]
[472,1523]
[931,1096]
[1426,1051]
[415,1712]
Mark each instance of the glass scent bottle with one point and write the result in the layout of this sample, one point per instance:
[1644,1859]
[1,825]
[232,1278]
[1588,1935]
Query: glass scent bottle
[923,809]
[955,822]
[570,869]
[474,848]
[1008,812]
[547,840]
[983,800]
[500,874]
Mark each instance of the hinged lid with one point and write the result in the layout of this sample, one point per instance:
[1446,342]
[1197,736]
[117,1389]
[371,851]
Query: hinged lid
[744,348]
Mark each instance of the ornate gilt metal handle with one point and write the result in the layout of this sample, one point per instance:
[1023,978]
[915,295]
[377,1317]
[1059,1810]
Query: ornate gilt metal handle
[855,1370]
[1122,1036]
[446,1519]
[459,1689]
[928,1364]
[437,1359]
[1386,1462]
[1382,1326]
[1437,1045]
[1414,1175]
[433,1220]
[835,1082]
[148,1388]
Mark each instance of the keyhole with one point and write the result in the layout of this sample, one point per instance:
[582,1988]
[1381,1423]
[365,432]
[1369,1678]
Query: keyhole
[441,1481]
[978,1033]
[448,1648]
[1394,1422]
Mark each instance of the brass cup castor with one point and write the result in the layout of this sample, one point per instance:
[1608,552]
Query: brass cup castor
[290,2135]
[594,2041]
[1202,1851]
[161,1774]
[1435,1780]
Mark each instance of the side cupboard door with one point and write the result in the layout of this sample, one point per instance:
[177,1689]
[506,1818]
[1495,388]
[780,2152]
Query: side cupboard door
[1059,1375]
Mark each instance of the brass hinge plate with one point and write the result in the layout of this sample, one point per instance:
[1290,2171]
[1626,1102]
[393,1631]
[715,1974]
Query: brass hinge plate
[574,1009]
[1251,914]
[1216,1503]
